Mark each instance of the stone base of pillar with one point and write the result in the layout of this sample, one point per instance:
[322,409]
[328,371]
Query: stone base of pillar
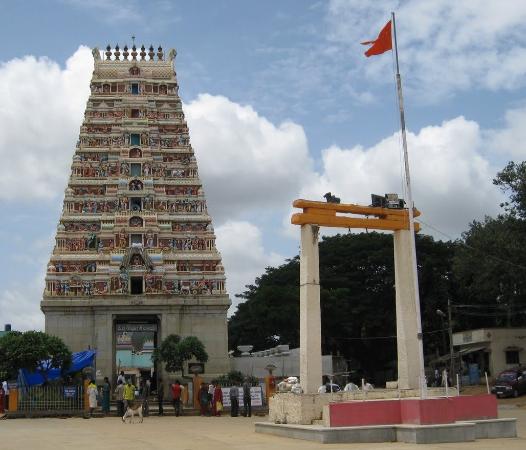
[304,409]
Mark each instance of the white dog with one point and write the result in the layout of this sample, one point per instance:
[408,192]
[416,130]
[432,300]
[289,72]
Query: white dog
[131,411]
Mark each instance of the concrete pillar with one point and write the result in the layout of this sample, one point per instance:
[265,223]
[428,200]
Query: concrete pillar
[407,316]
[310,314]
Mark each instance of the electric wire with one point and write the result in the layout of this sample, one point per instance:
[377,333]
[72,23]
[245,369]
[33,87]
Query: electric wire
[496,258]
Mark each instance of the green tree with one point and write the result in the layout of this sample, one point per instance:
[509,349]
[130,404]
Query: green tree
[512,181]
[357,300]
[34,351]
[490,266]
[174,352]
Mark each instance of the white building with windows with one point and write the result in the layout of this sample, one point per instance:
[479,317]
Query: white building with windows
[493,349]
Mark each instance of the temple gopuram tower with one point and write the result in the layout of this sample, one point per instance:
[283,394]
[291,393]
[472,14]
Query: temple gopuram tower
[135,257]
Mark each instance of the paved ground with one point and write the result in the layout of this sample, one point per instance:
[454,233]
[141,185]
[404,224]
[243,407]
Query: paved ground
[192,433]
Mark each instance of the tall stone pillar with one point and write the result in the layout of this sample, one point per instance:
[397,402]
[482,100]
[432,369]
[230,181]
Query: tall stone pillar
[310,314]
[407,316]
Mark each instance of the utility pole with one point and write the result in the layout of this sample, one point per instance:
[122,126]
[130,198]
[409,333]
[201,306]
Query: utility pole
[450,323]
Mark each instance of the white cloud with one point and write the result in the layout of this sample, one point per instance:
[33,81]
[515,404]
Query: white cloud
[511,139]
[20,305]
[244,256]
[41,112]
[445,45]
[246,162]
[451,180]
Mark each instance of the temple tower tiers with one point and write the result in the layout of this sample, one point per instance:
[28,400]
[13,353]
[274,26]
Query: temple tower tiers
[135,246]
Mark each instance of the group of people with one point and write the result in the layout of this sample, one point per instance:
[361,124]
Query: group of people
[210,397]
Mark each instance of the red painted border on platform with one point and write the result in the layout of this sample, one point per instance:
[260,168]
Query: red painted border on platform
[472,407]
[372,412]
[426,411]
[413,411]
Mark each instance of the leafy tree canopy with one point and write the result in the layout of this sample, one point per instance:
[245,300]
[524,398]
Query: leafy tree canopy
[357,299]
[174,352]
[32,350]
[512,181]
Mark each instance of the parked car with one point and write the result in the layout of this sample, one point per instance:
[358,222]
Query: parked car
[510,383]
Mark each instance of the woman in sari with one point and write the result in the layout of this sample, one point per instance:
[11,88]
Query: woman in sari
[217,401]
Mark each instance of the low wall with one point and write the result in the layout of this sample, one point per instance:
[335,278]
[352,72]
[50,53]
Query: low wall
[410,411]
[303,409]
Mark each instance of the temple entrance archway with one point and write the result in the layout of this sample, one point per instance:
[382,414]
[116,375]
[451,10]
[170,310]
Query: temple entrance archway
[135,338]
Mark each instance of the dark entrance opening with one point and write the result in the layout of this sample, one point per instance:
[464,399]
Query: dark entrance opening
[136,204]
[136,285]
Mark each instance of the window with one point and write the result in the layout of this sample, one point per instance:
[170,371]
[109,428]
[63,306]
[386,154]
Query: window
[136,285]
[512,357]
[135,153]
[135,89]
[135,170]
[135,204]
[135,139]
[136,239]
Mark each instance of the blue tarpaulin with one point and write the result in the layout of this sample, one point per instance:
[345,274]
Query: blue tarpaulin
[79,360]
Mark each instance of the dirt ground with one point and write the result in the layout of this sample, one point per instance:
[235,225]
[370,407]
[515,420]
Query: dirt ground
[519,402]
[194,433]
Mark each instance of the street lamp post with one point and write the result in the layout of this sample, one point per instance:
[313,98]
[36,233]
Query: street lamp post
[450,332]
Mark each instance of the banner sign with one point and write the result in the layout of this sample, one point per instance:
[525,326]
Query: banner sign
[70,391]
[196,368]
[136,327]
[255,394]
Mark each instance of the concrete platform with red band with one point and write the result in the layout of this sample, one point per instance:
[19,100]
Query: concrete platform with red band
[430,411]
[419,421]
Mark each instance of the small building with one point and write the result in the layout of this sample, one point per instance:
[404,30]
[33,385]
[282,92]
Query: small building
[492,349]
[286,362]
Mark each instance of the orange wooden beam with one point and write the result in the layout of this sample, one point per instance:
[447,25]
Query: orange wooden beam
[350,222]
[352,208]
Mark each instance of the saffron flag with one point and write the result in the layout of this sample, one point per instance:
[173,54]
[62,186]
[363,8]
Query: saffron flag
[383,42]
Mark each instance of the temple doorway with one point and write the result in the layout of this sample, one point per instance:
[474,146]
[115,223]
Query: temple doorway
[135,341]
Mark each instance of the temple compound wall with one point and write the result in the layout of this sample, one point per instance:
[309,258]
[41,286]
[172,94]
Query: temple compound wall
[135,246]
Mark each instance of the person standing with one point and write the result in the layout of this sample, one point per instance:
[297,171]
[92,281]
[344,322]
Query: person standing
[119,396]
[146,394]
[6,395]
[106,390]
[160,396]
[217,400]
[121,377]
[247,399]
[234,400]
[129,394]
[92,396]
[211,388]
[203,399]
[177,390]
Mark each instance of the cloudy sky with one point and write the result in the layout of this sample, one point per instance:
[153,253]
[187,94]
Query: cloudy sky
[281,104]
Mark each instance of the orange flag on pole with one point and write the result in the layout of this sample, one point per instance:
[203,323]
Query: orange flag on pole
[383,42]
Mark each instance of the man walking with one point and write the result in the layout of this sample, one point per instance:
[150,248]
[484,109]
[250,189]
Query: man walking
[247,399]
[129,394]
[177,390]
[234,400]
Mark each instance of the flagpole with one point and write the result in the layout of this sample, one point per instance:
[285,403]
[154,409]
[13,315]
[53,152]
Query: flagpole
[422,379]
